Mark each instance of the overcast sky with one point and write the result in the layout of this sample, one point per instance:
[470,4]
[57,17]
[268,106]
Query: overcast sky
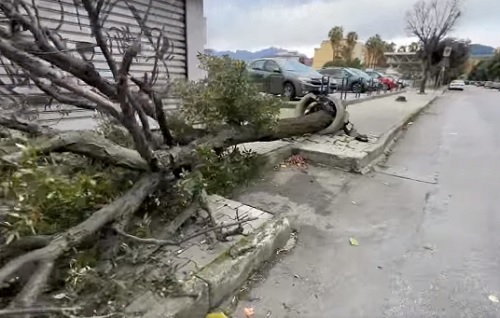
[303,24]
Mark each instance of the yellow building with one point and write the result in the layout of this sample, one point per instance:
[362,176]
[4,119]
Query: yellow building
[324,53]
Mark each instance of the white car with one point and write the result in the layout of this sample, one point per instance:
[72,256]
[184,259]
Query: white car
[457,85]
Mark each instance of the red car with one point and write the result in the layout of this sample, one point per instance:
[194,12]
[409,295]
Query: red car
[387,82]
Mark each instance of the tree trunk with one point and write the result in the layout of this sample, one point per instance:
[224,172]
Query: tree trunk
[424,77]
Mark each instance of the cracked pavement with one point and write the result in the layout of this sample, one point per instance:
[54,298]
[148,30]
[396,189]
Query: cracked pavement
[426,220]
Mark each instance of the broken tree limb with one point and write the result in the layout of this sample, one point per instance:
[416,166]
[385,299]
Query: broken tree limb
[189,237]
[32,129]
[88,144]
[36,67]
[34,287]
[308,102]
[94,146]
[36,310]
[120,208]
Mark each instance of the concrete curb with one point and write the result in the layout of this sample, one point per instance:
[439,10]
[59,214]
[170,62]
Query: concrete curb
[358,100]
[362,161]
[355,161]
[219,279]
[388,139]
[230,270]
[372,97]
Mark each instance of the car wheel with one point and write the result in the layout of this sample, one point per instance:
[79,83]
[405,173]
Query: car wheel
[289,91]
[356,87]
[385,87]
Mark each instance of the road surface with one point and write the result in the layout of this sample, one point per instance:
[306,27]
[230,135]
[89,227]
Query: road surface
[427,223]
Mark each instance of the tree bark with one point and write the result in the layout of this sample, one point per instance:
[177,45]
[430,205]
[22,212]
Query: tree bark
[94,146]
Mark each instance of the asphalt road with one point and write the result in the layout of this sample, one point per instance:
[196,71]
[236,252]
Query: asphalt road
[427,223]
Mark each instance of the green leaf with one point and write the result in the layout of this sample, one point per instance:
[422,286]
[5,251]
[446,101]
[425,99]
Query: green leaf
[353,242]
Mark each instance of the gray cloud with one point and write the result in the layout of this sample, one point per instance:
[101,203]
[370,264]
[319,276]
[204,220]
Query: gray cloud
[247,24]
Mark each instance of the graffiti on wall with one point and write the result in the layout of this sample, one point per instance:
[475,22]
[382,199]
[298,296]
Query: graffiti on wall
[120,32]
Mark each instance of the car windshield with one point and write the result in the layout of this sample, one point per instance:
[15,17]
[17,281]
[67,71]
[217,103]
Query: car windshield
[359,73]
[294,66]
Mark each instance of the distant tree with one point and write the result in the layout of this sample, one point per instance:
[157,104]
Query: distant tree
[389,47]
[338,62]
[356,63]
[430,21]
[402,49]
[457,61]
[413,47]
[488,70]
[375,49]
[336,35]
[351,40]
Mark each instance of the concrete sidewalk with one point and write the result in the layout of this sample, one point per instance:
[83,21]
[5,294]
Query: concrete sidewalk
[381,119]
[377,116]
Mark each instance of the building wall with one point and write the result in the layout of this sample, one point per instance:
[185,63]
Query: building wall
[179,24]
[196,30]
[324,53]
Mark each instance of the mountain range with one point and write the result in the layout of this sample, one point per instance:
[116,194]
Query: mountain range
[475,49]
[248,55]
[479,49]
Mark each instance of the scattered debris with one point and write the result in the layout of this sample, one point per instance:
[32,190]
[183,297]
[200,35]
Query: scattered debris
[401,99]
[362,138]
[353,242]
[249,312]
[216,315]
[428,247]
[493,298]
[296,276]
[295,160]
[290,244]
[354,202]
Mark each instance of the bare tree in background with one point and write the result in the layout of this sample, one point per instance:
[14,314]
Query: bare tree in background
[131,103]
[430,21]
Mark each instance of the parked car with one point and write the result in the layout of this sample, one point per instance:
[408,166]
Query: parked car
[495,85]
[387,83]
[488,84]
[347,78]
[288,77]
[456,85]
[375,84]
[399,82]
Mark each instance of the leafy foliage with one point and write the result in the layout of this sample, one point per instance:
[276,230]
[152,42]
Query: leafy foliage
[488,70]
[226,96]
[46,202]
[355,63]
[221,173]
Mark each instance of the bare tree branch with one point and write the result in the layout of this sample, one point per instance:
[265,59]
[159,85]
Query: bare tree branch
[36,310]
[34,287]
[33,129]
[39,69]
[96,28]
[430,21]
[185,239]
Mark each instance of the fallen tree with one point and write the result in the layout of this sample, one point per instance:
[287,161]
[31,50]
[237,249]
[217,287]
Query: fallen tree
[225,104]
